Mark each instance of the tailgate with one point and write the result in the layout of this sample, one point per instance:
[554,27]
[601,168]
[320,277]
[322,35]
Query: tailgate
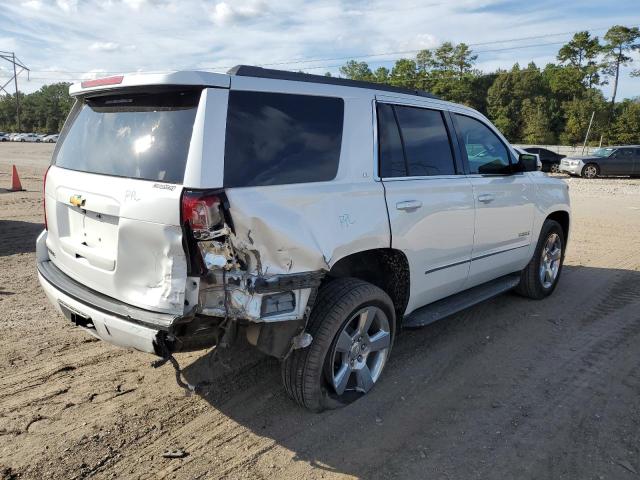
[113,196]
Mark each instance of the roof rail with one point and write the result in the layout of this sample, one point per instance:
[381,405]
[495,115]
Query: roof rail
[259,72]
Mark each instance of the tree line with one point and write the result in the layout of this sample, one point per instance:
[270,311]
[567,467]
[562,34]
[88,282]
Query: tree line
[529,104]
[43,111]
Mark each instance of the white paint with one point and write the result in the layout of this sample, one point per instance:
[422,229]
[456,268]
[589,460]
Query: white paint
[299,227]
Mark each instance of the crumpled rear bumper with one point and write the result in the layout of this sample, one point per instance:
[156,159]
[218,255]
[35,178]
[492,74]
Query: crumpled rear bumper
[103,317]
[100,323]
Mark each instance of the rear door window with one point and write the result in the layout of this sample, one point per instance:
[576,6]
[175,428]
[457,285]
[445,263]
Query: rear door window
[426,142]
[392,159]
[414,142]
[275,138]
[135,135]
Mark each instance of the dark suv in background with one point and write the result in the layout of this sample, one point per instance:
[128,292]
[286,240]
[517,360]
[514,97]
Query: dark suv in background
[550,160]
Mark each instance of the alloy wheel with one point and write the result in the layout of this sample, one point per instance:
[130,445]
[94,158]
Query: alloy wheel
[590,171]
[360,351]
[550,260]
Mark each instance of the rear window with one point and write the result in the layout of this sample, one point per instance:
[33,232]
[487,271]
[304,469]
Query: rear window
[140,135]
[275,138]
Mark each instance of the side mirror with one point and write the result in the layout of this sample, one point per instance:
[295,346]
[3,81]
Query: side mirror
[527,163]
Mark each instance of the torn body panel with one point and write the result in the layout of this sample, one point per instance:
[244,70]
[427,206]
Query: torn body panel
[284,239]
[229,290]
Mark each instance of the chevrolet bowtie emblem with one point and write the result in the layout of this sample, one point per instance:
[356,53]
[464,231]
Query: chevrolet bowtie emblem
[77,201]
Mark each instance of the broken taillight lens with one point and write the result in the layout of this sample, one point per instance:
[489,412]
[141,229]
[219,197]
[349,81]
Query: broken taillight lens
[201,210]
[44,197]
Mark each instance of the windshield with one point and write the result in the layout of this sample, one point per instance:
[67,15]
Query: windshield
[140,135]
[603,152]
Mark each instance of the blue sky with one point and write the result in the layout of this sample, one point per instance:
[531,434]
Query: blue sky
[75,39]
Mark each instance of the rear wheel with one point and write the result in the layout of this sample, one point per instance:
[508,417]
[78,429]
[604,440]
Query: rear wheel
[590,170]
[540,276]
[353,326]
[555,168]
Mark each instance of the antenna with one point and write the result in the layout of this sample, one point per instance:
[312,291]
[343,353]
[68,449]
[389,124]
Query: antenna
[17,63]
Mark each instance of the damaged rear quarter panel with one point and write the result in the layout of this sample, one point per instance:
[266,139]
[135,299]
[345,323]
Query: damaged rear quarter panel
[309,226]
[299,228]
[295,228]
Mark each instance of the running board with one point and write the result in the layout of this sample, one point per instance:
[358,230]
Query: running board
[460,301]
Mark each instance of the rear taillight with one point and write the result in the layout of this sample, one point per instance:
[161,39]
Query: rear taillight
[202,212]
[44,197]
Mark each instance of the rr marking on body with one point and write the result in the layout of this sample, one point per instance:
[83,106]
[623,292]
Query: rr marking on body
[130,195]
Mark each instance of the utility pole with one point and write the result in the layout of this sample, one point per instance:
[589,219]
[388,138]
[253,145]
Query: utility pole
[586,137]
[16,62]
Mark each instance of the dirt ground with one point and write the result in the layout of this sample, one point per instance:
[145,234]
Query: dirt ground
[511,388]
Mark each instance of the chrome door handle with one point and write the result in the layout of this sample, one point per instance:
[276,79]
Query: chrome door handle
[409,205]
[486,198]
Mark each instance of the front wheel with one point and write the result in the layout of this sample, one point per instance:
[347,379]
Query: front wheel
[590,171]
[555,168]
[353,327]
[540,277]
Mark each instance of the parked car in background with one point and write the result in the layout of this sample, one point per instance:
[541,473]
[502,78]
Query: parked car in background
[521,150]
[50,138]
[4,137]
[623,160]
[550,159]
[15,137]
[30,137]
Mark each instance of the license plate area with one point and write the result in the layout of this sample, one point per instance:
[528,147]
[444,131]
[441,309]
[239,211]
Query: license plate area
[93,229]
[79,319]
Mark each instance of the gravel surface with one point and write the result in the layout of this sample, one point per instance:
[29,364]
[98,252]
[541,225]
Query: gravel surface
[511,388]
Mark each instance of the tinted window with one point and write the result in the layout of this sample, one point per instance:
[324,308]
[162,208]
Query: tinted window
[426,142]
[413,142]
[486,153]
[625,153]
[392,161]
[136,135]
[275,138]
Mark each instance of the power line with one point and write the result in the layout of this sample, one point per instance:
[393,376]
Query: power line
[15,62]
[300,61]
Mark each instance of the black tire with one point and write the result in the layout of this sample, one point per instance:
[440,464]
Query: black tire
[531,285]
[585,173]
[554,168]
[304,371]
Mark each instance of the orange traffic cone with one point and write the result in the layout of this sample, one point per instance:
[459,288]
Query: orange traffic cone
[16,186]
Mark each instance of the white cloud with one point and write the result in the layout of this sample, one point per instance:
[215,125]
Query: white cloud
[134,4]
[93,74]
[104,46]
[224,14]
[67,5]
[33,4]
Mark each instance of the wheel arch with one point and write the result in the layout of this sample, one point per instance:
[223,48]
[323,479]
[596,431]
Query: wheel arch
[563,218]
[386,268]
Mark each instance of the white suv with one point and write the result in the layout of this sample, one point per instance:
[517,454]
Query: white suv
[315,215]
